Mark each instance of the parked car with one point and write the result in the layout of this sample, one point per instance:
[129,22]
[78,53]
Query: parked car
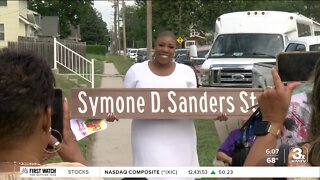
[141,55]
[183,56]
[183,59]
[202,54]
[180,52]
[133,54]
[308,43]
[128,51]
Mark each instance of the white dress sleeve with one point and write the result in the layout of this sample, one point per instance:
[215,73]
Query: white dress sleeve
[130,78]
[192,80]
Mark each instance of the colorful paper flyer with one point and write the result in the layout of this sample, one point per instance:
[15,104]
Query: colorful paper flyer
[84,127]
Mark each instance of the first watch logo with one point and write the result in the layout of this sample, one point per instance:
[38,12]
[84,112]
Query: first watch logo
[38,172]
[298,155]
[24,171]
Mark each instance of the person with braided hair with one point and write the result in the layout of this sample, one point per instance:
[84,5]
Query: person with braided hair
[26,93]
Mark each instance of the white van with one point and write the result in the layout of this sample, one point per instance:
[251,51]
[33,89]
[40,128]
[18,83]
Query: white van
[245,38]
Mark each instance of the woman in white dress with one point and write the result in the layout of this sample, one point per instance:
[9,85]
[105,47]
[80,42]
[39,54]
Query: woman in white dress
[163,142]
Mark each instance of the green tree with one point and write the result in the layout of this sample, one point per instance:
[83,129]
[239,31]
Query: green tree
[179,15]
[141,25]
[69,12]
[305,7]
[176,16]
[208,11]
[135,27]
[93,28]
[312,10]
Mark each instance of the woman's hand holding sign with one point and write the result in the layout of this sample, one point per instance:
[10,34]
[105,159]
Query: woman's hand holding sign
[222,117]
[111,117]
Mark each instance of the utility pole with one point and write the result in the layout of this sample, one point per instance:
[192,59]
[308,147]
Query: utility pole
[180,46]
[149,29]
[115,33]
[124,29]
[119,42]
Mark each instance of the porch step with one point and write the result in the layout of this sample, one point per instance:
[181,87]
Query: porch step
[65,59]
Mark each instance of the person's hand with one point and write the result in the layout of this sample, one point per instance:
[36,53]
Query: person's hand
[70,150]
[222,117]
[111,117]
[274,101]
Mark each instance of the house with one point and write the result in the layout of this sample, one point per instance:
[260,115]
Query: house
[49,26]
[196,34]
[75,33]
[16,20]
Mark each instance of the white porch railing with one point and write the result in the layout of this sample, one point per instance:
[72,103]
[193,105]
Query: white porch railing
[73,61]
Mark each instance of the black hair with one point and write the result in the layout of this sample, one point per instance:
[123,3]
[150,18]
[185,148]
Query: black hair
[26,90]
[314,128]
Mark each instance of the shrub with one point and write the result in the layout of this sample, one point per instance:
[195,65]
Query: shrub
[96,49]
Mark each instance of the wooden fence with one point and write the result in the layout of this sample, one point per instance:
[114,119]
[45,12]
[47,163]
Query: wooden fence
[44,47]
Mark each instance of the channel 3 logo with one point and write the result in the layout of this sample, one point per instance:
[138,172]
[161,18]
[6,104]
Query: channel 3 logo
[298,155]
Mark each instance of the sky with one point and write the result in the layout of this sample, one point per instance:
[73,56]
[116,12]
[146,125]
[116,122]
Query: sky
[106,10]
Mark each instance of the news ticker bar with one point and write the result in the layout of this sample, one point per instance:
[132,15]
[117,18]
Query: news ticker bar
[196,172]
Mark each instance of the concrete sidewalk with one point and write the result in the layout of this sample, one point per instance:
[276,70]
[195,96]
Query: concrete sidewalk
[112,147]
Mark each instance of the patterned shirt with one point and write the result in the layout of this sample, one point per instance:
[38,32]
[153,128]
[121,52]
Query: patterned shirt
[298,117]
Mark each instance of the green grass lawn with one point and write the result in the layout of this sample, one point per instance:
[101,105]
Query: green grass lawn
[98,57]
[120,63]
[208,141]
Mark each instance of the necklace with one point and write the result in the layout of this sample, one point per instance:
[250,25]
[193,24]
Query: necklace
[20,163]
